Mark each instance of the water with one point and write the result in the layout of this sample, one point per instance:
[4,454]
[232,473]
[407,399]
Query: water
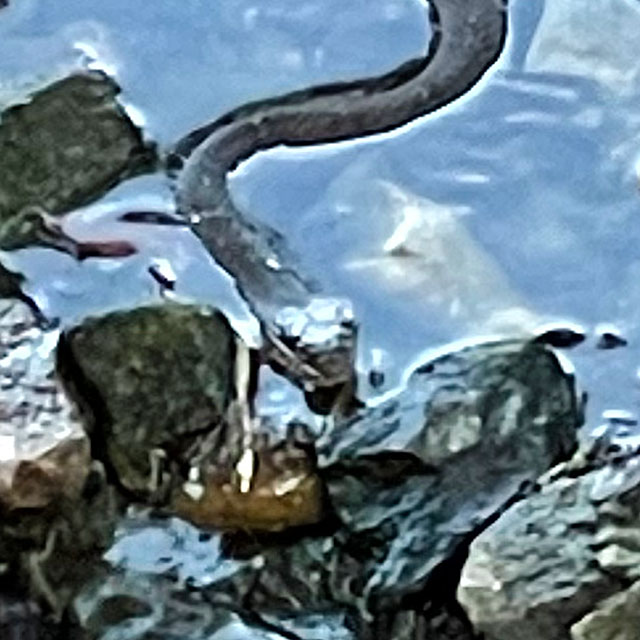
[512,208]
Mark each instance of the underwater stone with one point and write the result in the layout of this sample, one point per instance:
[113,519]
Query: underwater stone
[44,450]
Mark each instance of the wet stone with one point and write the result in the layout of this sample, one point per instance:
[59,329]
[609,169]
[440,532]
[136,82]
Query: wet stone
[56,512]
[616,617]
[44,450]
[154,381]
[158,583]
[415,477]
[567,552]
[66,145]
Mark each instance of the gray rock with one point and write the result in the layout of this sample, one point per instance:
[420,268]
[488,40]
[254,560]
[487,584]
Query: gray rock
[551,558]
[414,478]
[616,618]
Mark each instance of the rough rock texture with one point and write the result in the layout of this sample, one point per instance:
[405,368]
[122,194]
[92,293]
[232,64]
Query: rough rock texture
[616,618]
[551,558]
[56,513]
[155,378]
[159,594]
[44,450]
[67,145]
[413,479]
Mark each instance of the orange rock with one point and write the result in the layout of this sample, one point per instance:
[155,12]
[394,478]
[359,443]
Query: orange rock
[284,492]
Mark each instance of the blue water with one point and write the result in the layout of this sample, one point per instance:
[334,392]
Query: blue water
[515,207]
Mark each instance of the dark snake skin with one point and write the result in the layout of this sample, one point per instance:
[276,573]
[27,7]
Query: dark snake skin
[468,36]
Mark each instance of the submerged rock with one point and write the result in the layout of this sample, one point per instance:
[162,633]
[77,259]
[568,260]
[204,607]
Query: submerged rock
[56,513]
[562,552]
[68,144]
[155,380]
[44,450]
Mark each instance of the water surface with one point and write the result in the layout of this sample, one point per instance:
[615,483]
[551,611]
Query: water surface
[514,207]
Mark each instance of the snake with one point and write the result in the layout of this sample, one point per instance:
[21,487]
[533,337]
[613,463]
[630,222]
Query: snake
[468,36]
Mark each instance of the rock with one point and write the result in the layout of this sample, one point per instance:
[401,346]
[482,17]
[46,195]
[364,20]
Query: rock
[44,450]
[64,146]
[315,347]
[554,556]
[20,618]
[410,484]
[11,286]
[67,145]
[155,380]
[617,617]
[417,476]
[56,513]
[285,492]
[51,554]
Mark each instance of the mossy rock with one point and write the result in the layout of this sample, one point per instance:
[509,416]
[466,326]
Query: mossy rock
[157,377]
[67,145]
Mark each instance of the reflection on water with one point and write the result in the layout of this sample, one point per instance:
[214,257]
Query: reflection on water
[513,208]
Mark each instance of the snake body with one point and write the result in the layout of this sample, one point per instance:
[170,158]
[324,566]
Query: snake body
[468,36]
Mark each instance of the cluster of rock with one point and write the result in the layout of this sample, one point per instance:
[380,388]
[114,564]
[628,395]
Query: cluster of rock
[140,499]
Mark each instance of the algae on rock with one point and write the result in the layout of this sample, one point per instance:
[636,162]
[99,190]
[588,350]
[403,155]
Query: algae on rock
[67,145]
[153,378]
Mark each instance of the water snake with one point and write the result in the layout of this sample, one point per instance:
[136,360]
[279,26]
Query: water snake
[269,491]
[468,36]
